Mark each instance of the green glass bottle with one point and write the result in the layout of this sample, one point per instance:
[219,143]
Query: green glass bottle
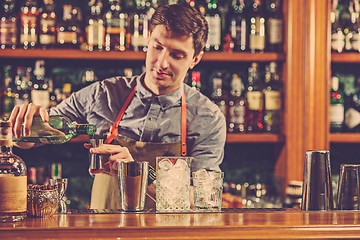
[57,130]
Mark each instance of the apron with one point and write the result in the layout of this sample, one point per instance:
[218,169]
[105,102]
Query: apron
[105,190]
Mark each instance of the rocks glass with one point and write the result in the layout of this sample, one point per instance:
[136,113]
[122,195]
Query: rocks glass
[208,187]
[173,184]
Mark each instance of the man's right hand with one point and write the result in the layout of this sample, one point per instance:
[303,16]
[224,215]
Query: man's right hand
[22,117]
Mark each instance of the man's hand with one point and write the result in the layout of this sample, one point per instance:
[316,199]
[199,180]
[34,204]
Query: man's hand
[23,116]
[117,154]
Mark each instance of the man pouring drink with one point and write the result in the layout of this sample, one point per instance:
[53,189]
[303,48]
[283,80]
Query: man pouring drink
[150,115]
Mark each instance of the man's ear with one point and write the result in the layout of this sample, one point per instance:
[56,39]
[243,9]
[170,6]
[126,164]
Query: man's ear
[196,59]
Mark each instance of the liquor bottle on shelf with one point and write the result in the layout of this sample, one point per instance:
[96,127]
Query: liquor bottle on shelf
[195,80]
[29,30]
[355,39]
[213,17]
[217,95]
[275,24]
[76,15]
[57,130]
[239,25]
[8,25]
[115,22]
[257,26]
[336,106]
[40,94]
[21,93]
[95,29]
[272,99]
[254,98]
[67,30]
[47,25]
[236,106]
[140,27]
[13,179]
[8,91]
[337,34]
[347,16]
[352,112]
[88,77]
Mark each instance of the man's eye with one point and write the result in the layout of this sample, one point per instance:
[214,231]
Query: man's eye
[177,56]
[158,47]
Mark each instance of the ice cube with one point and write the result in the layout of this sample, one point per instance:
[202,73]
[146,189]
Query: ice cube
[181,165]
[165,165]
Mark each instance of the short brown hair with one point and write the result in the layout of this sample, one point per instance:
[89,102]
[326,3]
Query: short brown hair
[183,19]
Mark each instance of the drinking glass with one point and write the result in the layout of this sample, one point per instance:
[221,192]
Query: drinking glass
[61,184]
[208,187]
[173,184]
[96,160]
[349,187]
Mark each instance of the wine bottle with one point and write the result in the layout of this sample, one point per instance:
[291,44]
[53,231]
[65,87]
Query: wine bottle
[212,16]
[272,99]
[275,24]
[237,106]
[257,27]
[95,29]
[47,24]
[239,25]
[337,34]
[29,24]
[336,106]
[59,129]
[254,97]
[8,25]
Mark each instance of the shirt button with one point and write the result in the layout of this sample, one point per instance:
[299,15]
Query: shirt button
[150,118]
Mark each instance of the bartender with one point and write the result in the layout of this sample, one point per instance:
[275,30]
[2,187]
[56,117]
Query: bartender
[153,114]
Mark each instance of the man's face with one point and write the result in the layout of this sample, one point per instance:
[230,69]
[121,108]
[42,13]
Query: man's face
[169,57]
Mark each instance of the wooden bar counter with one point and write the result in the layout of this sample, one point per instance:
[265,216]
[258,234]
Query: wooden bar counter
[240,224]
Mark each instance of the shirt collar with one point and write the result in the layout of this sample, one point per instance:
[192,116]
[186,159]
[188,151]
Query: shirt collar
[166,101]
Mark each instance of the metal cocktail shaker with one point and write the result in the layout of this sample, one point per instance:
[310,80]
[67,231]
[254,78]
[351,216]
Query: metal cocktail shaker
[133,182]
[317,190]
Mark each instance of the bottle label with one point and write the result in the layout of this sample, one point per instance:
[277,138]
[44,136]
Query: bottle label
[46,39]
[355,42]
[257,34]
[8,32]
[338,41]
[28,38]
[352,118]
[237,114]
[95,32]
[275,30]
[41,98]
[67,37]
[254,100]
[214,38]
[272,100]
[13,193]
[337,113]
[238,33]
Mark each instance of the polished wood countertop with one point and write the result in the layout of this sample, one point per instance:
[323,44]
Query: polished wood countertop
[225,225]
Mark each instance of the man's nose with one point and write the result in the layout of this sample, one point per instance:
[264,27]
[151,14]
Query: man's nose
[163,62]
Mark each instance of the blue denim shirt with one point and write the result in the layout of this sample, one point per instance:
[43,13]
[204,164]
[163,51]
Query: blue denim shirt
[151,118]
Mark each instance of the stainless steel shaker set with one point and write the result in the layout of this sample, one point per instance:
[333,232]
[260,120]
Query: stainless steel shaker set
[317,191]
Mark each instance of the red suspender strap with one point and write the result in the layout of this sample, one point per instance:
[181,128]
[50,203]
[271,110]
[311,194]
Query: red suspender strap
[114,128]
[183,125]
